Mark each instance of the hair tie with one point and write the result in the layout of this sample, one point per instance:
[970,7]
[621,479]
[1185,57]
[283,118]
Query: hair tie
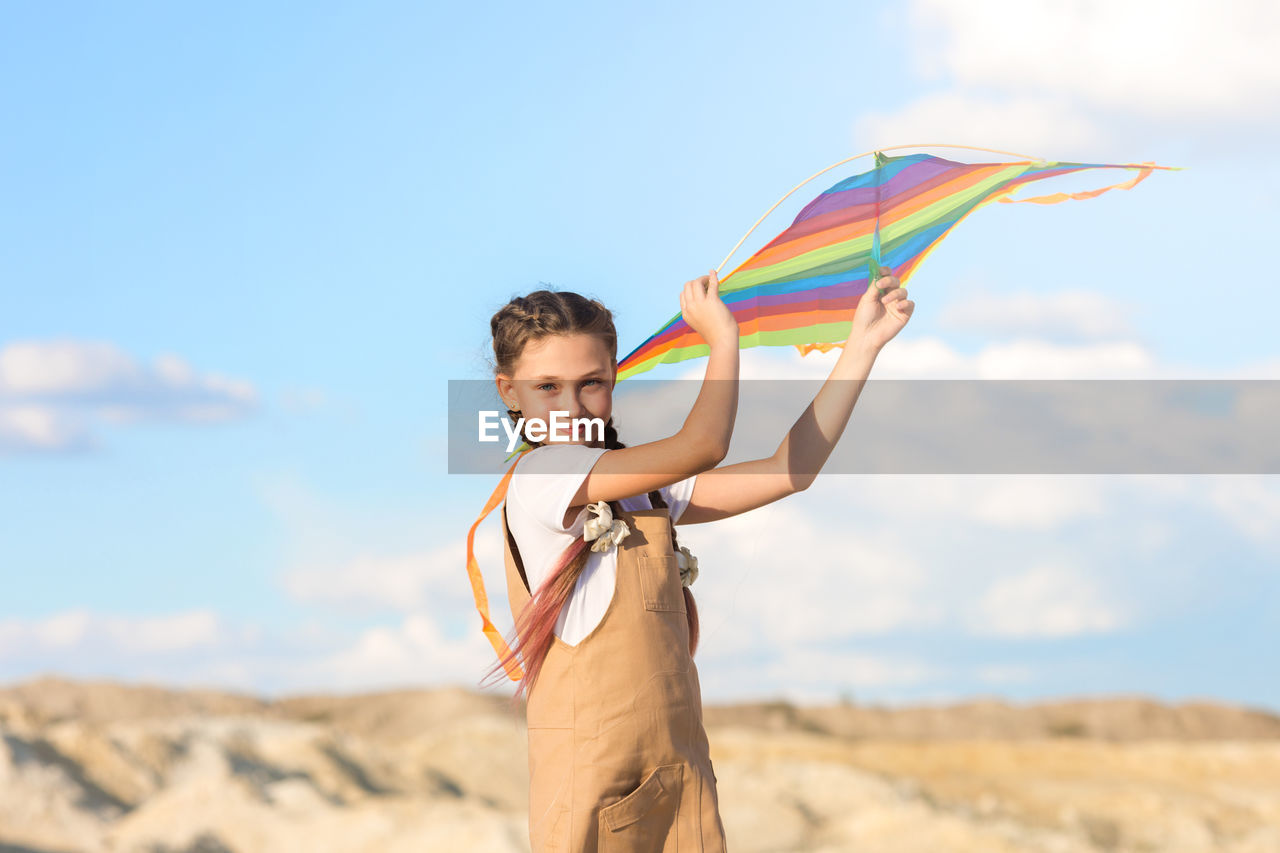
[688,566]
[604,529]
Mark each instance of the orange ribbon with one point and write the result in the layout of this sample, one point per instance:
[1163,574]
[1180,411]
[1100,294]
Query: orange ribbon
[1057,197]
[514,671]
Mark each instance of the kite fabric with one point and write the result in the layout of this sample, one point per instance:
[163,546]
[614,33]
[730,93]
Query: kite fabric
[802,288]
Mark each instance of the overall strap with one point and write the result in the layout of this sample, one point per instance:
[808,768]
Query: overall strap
[518,595]
[655,498]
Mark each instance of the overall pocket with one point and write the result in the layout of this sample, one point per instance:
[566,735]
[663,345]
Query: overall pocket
[660,582]
[643,820]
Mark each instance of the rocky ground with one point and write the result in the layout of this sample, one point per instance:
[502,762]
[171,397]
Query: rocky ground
[108,767]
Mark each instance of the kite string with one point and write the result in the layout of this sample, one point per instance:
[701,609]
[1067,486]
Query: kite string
[848,160]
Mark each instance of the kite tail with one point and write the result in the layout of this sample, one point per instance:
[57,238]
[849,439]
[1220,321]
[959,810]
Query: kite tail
[1054,198]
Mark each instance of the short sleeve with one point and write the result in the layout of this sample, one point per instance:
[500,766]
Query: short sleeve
[677,495]
[548,477]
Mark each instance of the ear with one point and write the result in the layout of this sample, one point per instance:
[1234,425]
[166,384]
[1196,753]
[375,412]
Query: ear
[506,388]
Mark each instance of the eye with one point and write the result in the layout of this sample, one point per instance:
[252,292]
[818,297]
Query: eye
[546,385]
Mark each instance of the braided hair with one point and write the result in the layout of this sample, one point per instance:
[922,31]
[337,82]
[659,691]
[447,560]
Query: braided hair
[523,320]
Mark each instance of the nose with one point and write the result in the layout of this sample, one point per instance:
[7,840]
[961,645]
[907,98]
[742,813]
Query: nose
[569,403]
[575,406]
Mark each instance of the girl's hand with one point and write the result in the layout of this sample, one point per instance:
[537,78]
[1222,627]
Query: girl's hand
[706,314]
[878,318]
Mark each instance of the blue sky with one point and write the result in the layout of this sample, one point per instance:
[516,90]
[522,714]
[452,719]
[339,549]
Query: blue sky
[244,249]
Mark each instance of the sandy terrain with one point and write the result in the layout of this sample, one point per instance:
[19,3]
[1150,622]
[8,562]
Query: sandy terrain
[109,767]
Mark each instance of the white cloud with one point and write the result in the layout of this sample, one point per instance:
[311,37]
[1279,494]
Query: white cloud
[1022,358]
[32,427]
[64,367]
[1265,369]
[1047,601]
[926,357]
[72,368]
[787,594]
[1251,505]
[200,647]
[427,590]
[1081,80]
[810,674]
[1079,314]
[1004,674]
[996,502]
[73,632]
[1031,504]
[1036,359]
[401,583]
[53,392]
[1177,59]
[414,652]
[919,358]
[781,597]
[1038,128]
[783,575]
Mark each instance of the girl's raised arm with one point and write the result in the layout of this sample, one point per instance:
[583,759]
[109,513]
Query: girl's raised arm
[703,441]
[882,312]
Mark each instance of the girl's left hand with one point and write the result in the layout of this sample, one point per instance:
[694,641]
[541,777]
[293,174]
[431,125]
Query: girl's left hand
[878,318]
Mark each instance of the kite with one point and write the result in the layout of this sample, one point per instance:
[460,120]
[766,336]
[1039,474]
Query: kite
[801,289]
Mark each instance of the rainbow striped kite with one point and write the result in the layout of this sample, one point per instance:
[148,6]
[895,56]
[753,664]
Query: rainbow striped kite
[802,288]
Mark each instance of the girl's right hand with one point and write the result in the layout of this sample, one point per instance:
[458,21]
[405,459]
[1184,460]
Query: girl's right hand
[706,313]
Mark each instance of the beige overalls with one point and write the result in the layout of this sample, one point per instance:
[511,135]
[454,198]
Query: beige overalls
[618,757]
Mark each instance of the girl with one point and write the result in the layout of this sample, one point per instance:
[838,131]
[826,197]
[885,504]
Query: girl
[606,626]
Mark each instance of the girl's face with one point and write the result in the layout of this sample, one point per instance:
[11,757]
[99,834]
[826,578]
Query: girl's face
[563,373]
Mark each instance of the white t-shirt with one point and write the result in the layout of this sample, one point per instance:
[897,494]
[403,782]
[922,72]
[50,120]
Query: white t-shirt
[545,480]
